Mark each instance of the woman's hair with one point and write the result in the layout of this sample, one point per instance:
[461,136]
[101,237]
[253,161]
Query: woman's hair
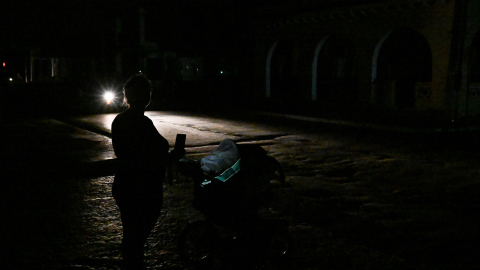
[137,91]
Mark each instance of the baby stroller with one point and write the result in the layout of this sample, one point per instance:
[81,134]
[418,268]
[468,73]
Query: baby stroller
[229,187]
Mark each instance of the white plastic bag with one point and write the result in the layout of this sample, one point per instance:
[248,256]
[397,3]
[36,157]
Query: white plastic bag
[222,158]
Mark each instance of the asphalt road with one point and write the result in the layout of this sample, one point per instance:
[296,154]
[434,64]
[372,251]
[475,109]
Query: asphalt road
[200,129]
[355,197]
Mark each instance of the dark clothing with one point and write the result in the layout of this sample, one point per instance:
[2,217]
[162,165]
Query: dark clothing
[138,218]
[142,154]
[138,185]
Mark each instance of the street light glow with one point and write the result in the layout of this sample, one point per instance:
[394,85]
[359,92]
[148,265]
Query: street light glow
[108,97]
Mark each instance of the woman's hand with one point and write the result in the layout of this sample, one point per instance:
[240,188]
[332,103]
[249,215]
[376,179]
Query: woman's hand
[176,154]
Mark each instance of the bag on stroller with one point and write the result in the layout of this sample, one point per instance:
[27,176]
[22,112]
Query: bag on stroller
[236,180]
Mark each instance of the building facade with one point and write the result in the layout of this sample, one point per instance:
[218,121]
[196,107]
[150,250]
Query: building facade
[412,55]
[408,56]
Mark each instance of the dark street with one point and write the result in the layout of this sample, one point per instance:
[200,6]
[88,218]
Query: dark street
[372,109]
[355,198]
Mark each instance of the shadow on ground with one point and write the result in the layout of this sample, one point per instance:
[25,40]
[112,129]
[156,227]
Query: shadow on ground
[44,205]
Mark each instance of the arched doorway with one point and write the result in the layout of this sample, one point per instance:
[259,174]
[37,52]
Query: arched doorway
[402,59]
[280,83]
[473,93]
[475,60]
[333,72]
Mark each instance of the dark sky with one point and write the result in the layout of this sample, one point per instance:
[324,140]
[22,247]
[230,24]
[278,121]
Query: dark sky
[35,23]
[73,23]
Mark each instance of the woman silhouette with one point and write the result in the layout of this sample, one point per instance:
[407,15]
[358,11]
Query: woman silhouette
[142,154]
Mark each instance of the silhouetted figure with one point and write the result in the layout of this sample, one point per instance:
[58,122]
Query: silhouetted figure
[142,156]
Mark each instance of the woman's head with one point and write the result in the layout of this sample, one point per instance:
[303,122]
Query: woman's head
[137,92]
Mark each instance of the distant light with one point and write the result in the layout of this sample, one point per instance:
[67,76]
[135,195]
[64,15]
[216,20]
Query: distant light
[10,79]
[139,71]
[221,72]
[3,63]
[108,97]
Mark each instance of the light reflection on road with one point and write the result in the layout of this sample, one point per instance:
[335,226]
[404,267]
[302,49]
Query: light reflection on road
[200,130]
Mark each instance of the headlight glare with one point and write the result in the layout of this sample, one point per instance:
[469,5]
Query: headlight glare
[109,97]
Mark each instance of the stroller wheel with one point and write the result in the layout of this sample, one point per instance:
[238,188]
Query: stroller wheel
[197,241]
[278,248]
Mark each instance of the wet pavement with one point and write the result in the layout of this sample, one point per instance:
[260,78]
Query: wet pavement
[355,198]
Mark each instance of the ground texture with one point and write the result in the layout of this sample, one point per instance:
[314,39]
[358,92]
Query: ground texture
[352,200]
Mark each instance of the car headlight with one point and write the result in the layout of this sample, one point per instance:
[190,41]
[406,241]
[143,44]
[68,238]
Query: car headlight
[108,97]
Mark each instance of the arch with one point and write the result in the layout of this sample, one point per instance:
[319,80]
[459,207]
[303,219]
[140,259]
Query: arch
[315,68]
[473,78]
[269,70]
[375,55]
[333,71]
[474,61]
[280,70]
[401,59]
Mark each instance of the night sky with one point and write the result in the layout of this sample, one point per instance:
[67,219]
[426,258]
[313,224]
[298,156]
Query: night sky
[26,24]
[68,23]
[190,28]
